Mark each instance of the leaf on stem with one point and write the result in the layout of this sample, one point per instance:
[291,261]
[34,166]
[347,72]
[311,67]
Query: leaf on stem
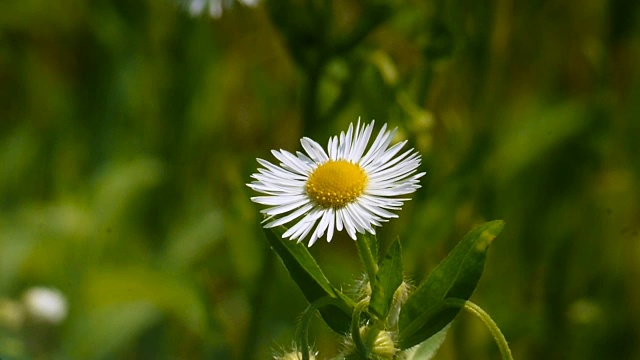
[388,278]
[425,313]
[427,349]
[306,273]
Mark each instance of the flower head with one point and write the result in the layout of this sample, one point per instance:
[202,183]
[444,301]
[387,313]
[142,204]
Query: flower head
[46,304]
[351,186]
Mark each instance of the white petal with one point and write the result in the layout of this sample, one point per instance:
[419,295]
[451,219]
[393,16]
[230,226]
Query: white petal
[288,218]
[296,227]
[320,229]
[361,143]
[339,221]
[304,234]
[277,210]
[371,207]
[380,144]
[349,223]
[332,148]
[309,222]
[359,222]
[306,159]
[278,200]
[315,151]
[347,142]
[291,162]
[353,141]
[330,227]
[276,170]
[383,158]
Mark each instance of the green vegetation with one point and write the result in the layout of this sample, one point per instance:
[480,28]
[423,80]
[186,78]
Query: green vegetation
[128,131]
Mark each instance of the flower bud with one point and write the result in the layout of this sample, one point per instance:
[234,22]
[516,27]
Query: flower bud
[383,346]
[399,297]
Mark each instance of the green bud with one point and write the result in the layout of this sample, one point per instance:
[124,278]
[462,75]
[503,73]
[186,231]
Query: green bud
[382,347]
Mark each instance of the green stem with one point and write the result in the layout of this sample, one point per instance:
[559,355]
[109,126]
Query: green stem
[486,319]
[361,348]
[370,264]
[302,330]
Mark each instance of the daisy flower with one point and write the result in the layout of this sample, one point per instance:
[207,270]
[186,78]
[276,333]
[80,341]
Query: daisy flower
[346,187]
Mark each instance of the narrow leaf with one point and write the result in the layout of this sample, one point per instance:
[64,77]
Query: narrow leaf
[427,349]
[388,278]
[306,273]
[424,313]
[372,240]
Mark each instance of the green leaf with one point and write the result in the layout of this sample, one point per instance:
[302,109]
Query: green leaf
[306,273]
[427,349]
[424,313]
[372,241]
[388,278]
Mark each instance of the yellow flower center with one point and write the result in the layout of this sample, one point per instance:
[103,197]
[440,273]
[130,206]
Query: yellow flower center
[334,184]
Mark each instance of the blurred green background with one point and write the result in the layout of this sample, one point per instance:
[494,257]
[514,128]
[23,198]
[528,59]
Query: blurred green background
[128,130]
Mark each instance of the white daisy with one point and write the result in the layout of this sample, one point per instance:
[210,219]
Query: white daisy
[342,188]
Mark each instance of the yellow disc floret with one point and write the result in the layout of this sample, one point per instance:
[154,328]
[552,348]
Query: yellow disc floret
[334,184]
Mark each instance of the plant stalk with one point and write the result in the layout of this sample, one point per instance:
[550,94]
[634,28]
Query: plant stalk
[488,321]
[370,264]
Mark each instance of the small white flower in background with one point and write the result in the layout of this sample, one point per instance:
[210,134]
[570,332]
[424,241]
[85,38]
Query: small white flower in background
[213,7]
[45,304]
[343,188]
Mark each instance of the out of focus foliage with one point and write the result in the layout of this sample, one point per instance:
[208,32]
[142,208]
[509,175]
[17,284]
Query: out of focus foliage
[128,130]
